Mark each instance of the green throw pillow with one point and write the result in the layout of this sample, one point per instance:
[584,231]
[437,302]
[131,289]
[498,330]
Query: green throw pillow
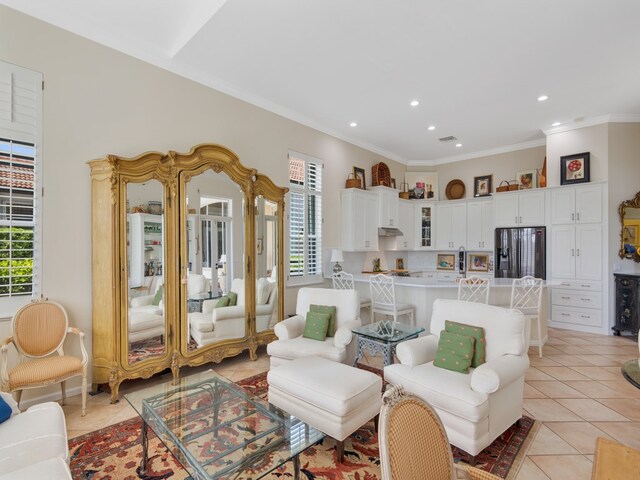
[316,326]
[158,298]
[480,349]
[233,298]
[455,352]
[223,302]
[331,311]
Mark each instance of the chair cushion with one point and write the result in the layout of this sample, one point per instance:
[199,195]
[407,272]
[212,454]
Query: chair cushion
[44,370]
[399,307]
[144,321]
[150,309]
[331,386]
[222,302]
[479,346]
[233,298]
[455,352]
[158,296]
[331,310]
[301,347]
[202,322]
[33,436]
[5,411]
[444,389]
[316,326]
[52,469]
[263,290]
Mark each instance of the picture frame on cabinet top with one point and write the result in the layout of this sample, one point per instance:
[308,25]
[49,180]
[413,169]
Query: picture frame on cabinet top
[360,174]
[527,179]
[422,185]
[575,168]
[482,186]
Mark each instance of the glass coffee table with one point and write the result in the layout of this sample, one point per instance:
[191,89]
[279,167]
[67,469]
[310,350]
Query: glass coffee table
[216,430]
[382,337]
[195,301]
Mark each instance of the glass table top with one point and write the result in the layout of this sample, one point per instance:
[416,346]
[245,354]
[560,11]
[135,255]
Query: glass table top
[388,331]
[631,371]
[216,430]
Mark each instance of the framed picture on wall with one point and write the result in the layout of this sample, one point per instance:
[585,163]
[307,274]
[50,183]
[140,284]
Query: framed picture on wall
[478,262]
[446,261]
[574,168]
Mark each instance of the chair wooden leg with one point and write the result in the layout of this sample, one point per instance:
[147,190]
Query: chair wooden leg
[340,451]
[539,337]
[376,421]
[472,460]
[18,397]
[84,392]
[64,393]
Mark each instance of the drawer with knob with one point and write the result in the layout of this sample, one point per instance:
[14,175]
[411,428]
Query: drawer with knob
[578,285]
[576,316]
[572,298]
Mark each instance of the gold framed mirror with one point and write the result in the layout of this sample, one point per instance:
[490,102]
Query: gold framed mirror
[629,212]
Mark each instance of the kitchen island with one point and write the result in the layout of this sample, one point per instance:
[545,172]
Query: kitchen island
[422,292]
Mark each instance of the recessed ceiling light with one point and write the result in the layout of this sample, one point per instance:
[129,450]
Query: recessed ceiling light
[431,127]
[556,124]
[353,124]
[542,98]
[458,144]
[414,103]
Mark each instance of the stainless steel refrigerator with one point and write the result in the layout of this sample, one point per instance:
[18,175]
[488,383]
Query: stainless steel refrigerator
[520,252]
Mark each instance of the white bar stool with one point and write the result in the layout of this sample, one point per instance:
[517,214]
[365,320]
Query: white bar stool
[344,281]
[526,296]
[474,289]
[383,299]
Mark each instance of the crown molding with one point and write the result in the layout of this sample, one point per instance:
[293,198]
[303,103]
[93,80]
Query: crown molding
[592,121]
[481,153]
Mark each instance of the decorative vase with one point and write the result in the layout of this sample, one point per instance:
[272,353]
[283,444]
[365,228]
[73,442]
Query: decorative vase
[542,180]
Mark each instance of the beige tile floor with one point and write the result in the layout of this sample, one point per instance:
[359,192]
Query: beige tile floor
[576,390]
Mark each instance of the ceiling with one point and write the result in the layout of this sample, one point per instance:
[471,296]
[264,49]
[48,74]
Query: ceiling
[476,67]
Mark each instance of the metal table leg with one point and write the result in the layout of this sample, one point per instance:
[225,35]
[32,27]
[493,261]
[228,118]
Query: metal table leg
[144,439]
[296,467]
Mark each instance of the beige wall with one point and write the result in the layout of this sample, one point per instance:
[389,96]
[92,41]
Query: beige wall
[98,101]
[593,139]
[502,166]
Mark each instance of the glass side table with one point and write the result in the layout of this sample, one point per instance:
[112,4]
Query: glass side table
[631,371]
[382,338]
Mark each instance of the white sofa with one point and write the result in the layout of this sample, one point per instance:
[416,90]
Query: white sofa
[475,408]
[215,324]
[33,444]
[339,348]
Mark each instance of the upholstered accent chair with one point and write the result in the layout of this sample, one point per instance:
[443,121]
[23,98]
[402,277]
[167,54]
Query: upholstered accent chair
[414,444]
[478,406]
[39,330]
[216,324]
[339,348]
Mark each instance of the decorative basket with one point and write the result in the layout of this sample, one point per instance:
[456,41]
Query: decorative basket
[507,186]
[353,182]
[404,191]
[381,175]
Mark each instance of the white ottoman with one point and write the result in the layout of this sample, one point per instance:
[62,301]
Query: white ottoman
[332,397]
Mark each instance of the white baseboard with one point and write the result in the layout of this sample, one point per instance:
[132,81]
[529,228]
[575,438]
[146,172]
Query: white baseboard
[49,397]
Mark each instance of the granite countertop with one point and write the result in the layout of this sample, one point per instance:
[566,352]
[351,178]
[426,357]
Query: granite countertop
[433,283]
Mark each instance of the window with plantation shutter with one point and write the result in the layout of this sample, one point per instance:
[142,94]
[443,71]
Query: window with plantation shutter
[20,186]
[305,219]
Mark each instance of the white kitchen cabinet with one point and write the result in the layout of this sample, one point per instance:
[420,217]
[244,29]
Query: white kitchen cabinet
[480,225]
[580,204]
[406,224]
[388,206]
[519,209]
[451,225]
[359,220]
[145,247]
[576,251]
[424,226]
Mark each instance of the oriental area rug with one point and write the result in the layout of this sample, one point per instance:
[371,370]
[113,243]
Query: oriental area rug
[115,452]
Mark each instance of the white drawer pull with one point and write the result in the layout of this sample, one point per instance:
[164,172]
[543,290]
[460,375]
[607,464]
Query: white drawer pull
[565,298]
[565,314]
[585,299]
[566,284]
[585,285]
[585,316]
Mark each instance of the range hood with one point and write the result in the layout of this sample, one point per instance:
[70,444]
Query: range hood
[389,232]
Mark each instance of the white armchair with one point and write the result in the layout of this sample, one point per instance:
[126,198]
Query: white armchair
[291,344]
[146,320]
[215,324]
[475,408]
